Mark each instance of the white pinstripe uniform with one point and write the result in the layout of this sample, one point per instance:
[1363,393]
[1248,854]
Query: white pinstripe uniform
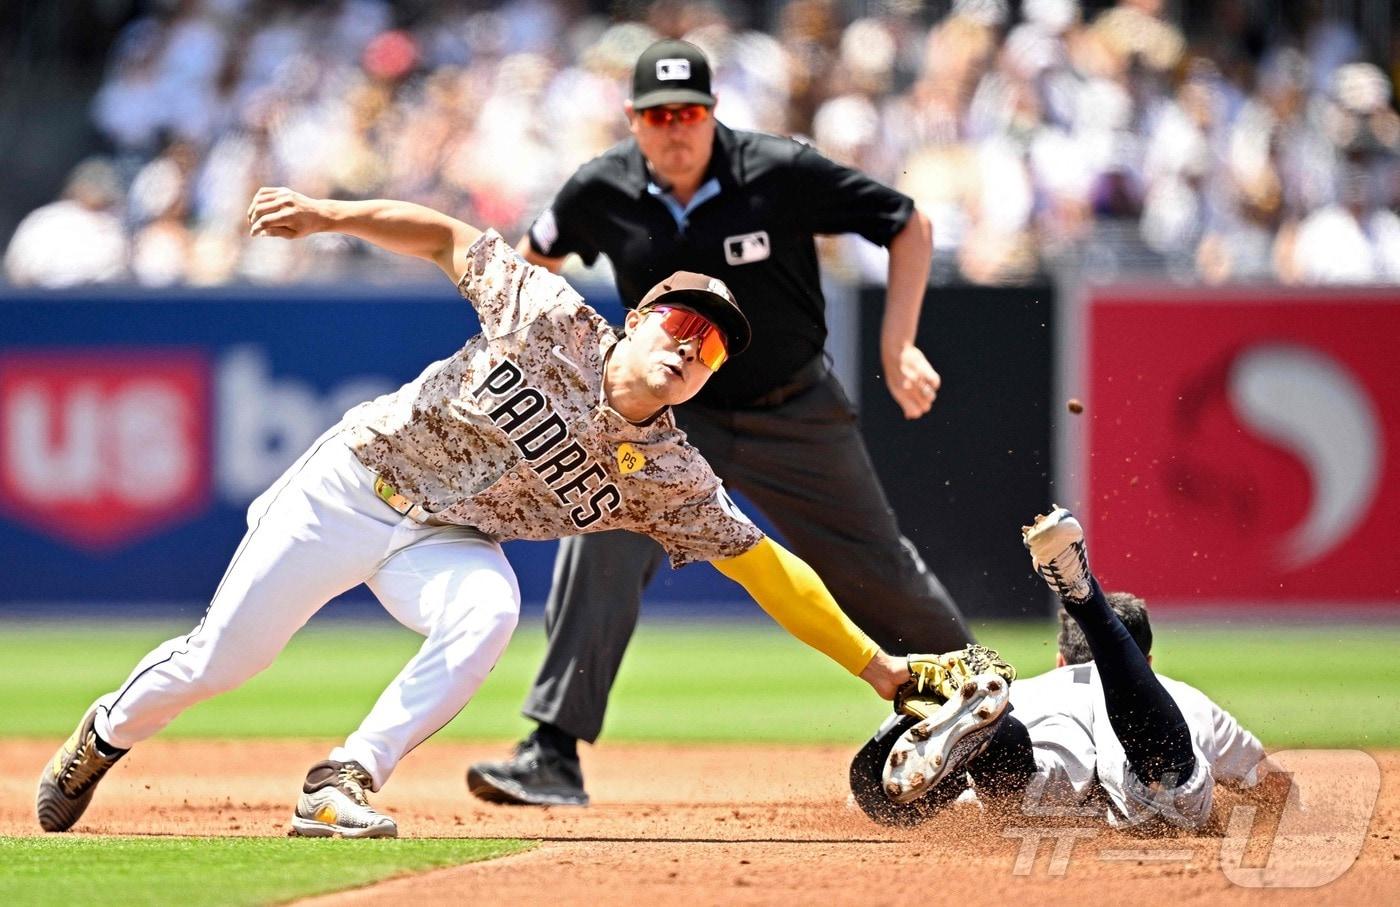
[1081,763]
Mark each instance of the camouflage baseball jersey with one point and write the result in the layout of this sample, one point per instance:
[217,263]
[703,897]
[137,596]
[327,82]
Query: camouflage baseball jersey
[512,435]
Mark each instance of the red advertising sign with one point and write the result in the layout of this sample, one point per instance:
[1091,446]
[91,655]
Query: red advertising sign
[1244,448]
[102,448]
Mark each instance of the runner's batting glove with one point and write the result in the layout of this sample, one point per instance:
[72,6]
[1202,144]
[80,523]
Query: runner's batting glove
[934,679]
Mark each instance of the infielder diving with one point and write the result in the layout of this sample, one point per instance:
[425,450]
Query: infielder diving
[546,424]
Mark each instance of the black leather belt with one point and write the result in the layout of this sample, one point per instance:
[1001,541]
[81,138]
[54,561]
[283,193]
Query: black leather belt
[805,378]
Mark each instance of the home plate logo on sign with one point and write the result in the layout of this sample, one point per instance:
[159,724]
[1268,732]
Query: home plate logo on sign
[102,448]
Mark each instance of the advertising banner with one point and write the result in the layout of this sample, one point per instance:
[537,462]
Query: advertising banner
[136,429]
[1242,446]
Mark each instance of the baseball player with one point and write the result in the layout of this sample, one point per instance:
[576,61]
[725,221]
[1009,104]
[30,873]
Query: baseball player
[687,192]
[546,424]
[1102,732]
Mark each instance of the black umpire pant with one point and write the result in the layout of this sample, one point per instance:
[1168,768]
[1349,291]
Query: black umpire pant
[804,464]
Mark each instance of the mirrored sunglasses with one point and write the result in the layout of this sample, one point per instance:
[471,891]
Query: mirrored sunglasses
[682,325]
[665,116]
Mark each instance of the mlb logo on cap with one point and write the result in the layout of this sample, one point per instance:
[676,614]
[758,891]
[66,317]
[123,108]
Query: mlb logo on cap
[671,72]
[672,68]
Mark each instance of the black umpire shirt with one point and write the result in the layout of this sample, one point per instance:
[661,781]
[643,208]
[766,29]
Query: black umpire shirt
[751,224]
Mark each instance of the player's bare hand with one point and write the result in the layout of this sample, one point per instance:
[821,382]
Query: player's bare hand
[912,381]
[886,674]
[278,211]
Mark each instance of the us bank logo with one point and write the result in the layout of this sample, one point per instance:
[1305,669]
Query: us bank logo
[100,449]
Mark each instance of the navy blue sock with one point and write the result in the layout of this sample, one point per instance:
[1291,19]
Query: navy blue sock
[1143,714]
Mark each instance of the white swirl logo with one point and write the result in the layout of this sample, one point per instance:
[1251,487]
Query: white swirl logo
[1310,405]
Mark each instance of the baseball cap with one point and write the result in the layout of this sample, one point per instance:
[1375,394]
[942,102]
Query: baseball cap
[671,72]
[709,297]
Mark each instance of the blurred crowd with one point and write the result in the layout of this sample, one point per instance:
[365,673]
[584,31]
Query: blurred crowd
[1035,136]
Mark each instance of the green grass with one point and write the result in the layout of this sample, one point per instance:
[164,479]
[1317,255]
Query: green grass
[1331,686]
[223,871]
[1294,686]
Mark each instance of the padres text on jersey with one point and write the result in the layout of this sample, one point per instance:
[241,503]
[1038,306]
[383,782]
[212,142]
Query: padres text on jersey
[513,436]
[519,404]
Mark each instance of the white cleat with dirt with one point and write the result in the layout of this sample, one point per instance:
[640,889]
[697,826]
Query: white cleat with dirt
[1056,543]
[945,742]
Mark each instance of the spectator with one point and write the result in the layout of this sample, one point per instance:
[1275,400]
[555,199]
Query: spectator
[158,202]
[1351,241]
[1034,140]
[75,240]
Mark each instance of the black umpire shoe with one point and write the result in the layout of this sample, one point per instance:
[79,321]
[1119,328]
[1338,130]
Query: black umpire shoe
[70,778]
[534,776]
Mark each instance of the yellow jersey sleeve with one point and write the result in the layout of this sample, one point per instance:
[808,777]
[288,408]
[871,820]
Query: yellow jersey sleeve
[795,597]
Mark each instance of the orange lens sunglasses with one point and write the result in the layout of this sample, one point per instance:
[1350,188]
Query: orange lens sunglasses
[665,116]
[682,324]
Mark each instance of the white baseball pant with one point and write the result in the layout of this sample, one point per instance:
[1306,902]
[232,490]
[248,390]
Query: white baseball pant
[317,532]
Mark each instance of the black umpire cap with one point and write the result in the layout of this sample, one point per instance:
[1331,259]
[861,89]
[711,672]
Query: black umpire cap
[707,296]
[671,72]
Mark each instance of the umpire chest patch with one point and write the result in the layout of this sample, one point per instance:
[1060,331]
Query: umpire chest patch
[747,248]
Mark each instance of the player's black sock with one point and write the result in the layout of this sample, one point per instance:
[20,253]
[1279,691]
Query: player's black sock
[1005,767]
[556,740]
[1144,716]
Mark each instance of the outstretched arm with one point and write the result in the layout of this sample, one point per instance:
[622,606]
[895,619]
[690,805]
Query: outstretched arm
[792,593]
[401,227]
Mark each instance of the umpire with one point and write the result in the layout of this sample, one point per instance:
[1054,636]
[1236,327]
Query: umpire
[687,193]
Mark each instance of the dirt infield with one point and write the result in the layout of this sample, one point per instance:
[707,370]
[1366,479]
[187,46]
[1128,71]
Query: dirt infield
[723,825]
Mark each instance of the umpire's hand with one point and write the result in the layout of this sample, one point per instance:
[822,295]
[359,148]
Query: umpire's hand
[912,381]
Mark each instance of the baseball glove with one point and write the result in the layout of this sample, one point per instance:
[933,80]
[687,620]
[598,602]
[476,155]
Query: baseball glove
[934,679]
